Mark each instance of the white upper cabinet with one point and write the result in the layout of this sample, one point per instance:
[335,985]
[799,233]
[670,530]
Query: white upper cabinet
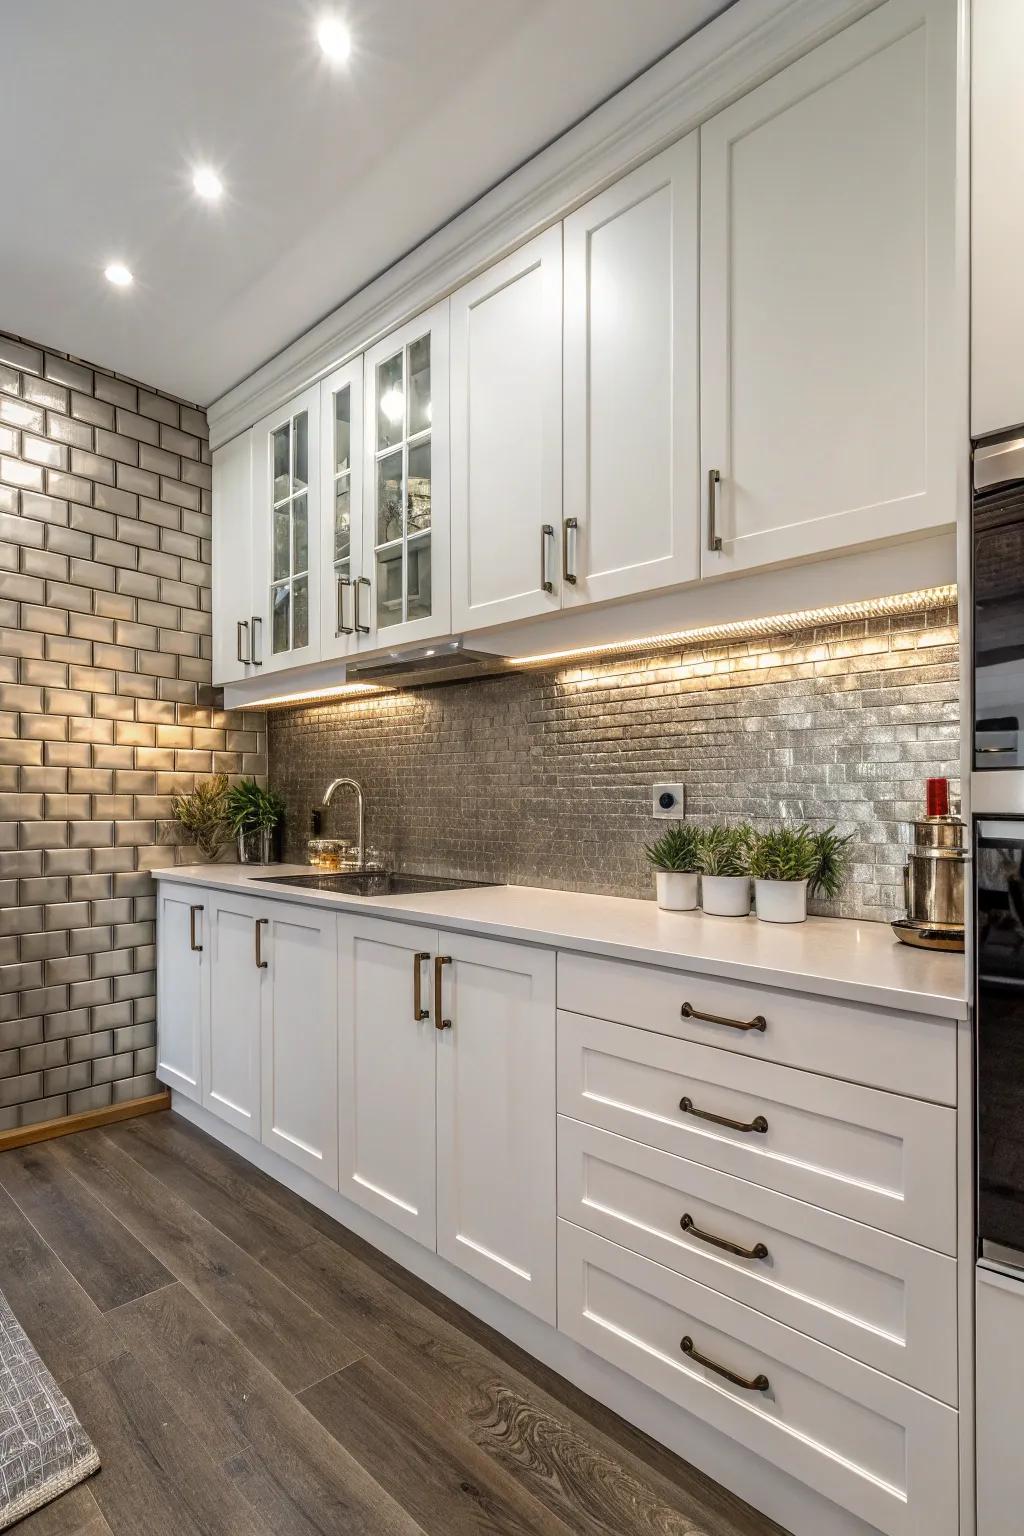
[341,487]
[828,319]
[506,420]
[404,594]
[286,533]
[232,560]
[632,492]
[997,215]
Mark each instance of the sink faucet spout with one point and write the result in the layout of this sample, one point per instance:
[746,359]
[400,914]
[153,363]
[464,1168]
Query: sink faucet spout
[357,788]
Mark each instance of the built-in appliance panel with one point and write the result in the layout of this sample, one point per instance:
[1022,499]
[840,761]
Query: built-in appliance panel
[876,1447]
[878,1158]
[998,588]
[999,937]
[882,1048]
[887,1302]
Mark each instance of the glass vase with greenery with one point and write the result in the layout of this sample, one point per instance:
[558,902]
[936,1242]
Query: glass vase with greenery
[254,814]
[203,816]
[674,857]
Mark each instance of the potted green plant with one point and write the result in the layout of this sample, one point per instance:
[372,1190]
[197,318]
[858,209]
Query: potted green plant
[787,862]
[254,814]
[724,862]
[674,858]
[202,816]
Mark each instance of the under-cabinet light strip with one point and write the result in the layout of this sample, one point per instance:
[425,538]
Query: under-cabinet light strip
[315,696]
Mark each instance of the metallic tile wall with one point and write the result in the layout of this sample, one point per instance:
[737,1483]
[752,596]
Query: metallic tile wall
[106,712]
[545,778]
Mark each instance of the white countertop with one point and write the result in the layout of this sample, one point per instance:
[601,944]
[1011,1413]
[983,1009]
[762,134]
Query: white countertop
[833,957]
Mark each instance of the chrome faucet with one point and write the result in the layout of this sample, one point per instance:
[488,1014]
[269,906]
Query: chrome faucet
[328,797]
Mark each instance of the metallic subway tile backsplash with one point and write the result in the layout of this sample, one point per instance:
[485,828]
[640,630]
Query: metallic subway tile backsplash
[544,778]
[106,713]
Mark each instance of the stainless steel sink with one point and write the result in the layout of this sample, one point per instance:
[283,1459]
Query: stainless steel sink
[374,882]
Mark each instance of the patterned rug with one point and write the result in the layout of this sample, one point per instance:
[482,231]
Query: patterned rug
[43,1448]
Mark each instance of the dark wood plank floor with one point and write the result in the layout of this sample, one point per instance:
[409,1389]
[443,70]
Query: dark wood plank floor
[247,1367]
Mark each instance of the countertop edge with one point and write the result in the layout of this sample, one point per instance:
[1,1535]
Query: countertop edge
[943,1005]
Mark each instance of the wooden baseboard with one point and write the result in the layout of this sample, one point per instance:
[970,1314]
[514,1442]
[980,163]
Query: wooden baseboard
[24,1135]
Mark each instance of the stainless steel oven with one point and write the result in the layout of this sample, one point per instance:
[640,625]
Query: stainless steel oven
[998,587]
[999,1036]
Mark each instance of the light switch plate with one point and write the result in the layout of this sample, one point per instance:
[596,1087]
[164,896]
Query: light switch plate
[676,809]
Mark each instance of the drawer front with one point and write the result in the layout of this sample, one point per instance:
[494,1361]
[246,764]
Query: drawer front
[884,1160]
[900,1052]
[876,1447]
[885,1301]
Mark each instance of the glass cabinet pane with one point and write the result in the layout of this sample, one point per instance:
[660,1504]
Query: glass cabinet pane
[419,386]
[280,599]
[300,471]
[389,587]
[342,429]
[419,487]
[282,465]
[419,579]
[390,402]
[389,498]
[300,535]
[342,518]
[300,613]
[281,566]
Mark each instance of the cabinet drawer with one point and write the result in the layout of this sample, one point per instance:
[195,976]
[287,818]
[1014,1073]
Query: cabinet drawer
[902,1052]
[879,1158]
[872,1445]
[885,1301]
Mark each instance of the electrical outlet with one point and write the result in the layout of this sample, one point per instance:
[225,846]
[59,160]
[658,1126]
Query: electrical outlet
[669,801]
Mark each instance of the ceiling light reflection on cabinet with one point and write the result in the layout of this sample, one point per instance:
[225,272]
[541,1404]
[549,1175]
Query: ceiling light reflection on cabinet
[334,39]
[207,184]
[118,274]
[392,404]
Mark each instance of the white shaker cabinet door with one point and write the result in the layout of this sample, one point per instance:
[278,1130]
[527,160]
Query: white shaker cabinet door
[231,1034]
[182,980]
[386,1072]
[506,404]
[232,561]
[830,395]
[286,535]
[632,488]
[300,1037]
[496,1116]
[341,525]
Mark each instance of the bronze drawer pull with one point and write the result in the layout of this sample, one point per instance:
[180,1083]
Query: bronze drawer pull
[688,1011]
[261,923]
[757,1383]
[192,944]
[759,1251]
[759,1123]
[418,1011]
[440,1022]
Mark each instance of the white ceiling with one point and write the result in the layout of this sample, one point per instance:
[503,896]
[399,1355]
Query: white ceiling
[331,175]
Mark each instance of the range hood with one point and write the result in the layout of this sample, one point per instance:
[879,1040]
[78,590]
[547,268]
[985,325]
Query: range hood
[443,661]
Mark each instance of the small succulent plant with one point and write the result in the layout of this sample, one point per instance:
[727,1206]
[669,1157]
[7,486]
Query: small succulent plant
[203,816]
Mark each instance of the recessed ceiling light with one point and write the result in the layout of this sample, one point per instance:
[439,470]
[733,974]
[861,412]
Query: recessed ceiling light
[118,274]
[334,38]
[207,183]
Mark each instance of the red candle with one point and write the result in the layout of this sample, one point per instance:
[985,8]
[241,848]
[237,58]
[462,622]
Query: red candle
[936,797]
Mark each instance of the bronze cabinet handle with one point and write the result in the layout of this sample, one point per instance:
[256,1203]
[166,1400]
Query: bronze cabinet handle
[547,532]
[360,627]
[418,1011]
[759,1123]
[568,523]
[198,948]
[239,626]
[688,1011]
[257,661]
[440,1022]
[341,628]
[757,1383]
[714,537]
[261,923]
[759,1251]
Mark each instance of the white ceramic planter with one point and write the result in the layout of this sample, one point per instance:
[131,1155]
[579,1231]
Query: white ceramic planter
[725,895]
[677,891]
[781,901]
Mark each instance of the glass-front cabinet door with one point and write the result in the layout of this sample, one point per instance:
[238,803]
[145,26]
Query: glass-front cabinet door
[345,587]
[406,500]
[286,528]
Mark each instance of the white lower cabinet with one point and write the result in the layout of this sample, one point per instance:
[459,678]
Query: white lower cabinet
[387,1072]
[877,1448]
[1000,1380]
[231,1026]
[181,984]
[496,1117]
[299,1037]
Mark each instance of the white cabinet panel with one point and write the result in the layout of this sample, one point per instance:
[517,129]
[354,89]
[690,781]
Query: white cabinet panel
[829,388]
[182,981]
[1000,1368]
[887,1302]
[506,405]
[231,1038]
[874,1446]
[341,486]
[405,591]
[300,1038]
[631,428]
[286,534]
[387,1072]
[876,1157]
[496,1117]
[232,576]
[997,215]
